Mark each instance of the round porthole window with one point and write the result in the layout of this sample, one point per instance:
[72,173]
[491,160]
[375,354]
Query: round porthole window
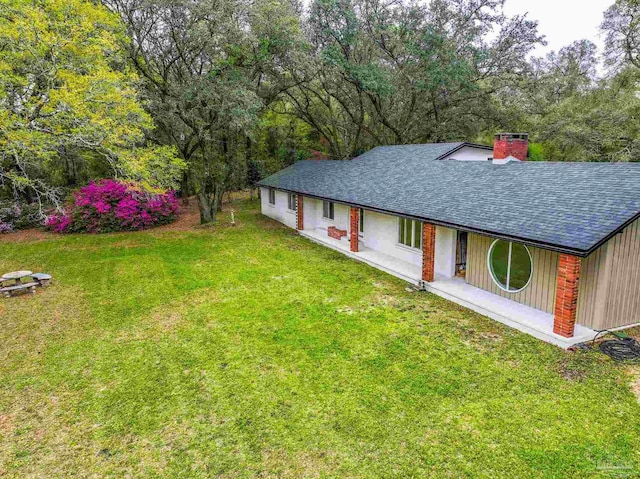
[510,265]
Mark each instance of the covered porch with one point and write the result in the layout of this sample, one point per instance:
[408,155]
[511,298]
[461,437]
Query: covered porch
[527,319]
[401,269]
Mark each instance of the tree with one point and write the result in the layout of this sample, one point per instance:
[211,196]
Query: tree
[571,113]
[67,98]
[209,69]
[388,72]
[622,28]
[600,124]
[254,174]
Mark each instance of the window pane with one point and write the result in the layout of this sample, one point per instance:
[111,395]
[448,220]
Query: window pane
[510,269]
[331,214]
[401,230]
[325,209]
[417,234]
[499,262]
[361,221]
[407,238]
[521,267]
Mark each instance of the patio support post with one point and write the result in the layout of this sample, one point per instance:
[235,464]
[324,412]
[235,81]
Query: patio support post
[566,304]
[300,213]
[428,252]
[354,216]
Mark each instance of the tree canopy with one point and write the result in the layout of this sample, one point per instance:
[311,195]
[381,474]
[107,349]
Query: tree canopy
[69,104]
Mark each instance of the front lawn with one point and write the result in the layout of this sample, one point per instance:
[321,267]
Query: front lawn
[248,351]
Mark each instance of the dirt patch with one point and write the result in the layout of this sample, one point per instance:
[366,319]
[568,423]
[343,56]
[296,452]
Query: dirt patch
[189,217]
[571,369]
[127,244]
[7,425]
[26,236]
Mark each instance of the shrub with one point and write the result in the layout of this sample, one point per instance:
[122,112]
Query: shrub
[109,205]
[5,227]
[19,216]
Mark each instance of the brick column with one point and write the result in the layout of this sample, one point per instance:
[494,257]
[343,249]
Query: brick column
[300,214]
[428,252]
[566,305]
[354,214]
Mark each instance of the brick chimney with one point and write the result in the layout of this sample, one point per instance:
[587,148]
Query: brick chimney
[510,146]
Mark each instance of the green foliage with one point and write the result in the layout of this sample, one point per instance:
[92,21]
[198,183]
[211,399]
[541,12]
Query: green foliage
[67,95]
[20,216]
[597,125]
[399,72]
[229,62]
[536,152]
[254,173]
[621,26]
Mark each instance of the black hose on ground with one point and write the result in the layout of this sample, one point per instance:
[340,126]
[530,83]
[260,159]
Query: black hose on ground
[623,348]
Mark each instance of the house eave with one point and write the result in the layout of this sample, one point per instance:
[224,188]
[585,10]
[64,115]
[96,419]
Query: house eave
[461,146]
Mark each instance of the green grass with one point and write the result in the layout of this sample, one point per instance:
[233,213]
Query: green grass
[248,351]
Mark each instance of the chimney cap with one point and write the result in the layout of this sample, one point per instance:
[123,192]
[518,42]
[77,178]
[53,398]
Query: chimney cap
[512,136]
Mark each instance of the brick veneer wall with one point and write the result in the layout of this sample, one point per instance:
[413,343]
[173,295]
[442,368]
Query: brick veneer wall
[428,252]
[335,233]
[300,214]
[566,303]
[505,146]
[354,217]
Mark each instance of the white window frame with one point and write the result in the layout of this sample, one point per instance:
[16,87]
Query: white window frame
[332,210]
[292,199]
[493,276]
[403,224]
[272,195]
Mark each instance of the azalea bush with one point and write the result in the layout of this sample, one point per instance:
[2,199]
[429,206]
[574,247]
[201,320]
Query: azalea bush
[110,205]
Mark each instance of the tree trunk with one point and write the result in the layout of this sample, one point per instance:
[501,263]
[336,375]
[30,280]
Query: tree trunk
[184,188]
[209,204]
[218,199]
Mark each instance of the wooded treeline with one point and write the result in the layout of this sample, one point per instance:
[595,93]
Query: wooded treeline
[211,95]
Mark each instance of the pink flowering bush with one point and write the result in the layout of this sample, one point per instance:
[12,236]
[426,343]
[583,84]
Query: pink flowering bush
[109,205]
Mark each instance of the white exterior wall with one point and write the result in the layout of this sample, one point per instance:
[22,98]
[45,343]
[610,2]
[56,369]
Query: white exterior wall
[445,262]
[280,210]
[381,234]
[469,153]
[313,219]
[311,212]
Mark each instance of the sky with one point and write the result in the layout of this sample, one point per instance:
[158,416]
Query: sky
[560,21]
[563,21]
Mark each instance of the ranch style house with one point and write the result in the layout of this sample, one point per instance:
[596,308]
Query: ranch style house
[549,248]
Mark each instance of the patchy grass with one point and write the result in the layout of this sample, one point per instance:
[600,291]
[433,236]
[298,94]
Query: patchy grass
[248,351]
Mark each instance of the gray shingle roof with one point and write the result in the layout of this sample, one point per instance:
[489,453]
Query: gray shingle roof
[571,207]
